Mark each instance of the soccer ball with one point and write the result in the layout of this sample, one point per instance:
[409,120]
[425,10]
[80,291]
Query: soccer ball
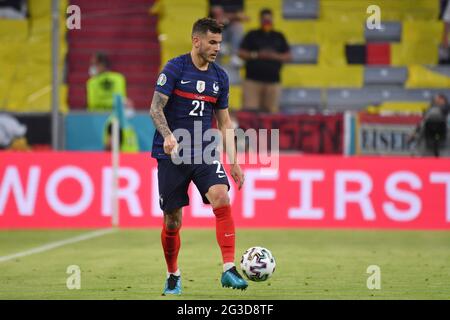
[258,264]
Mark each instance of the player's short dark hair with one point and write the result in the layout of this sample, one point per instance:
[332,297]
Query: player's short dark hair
[202,26]
[265,11]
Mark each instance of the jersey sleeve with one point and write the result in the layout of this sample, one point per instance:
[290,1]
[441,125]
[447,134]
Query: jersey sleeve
[222,101]
[168,78]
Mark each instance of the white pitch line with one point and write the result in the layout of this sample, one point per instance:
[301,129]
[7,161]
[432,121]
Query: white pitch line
[57,244]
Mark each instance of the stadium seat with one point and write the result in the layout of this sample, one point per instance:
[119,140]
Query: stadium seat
[13,30]
[423,77]
[398,107]
[338,11]
[317,76]
[417,31]
[300,9]
[403,54]
[358,98]
[350,99]
[378,53]
[355,99]
[299,100]
[425,94]
[342,32]
[27,80]
[299,31]
[235,100]
[388,32]
[305,53]
[332,53]
[442,70]
[385,76]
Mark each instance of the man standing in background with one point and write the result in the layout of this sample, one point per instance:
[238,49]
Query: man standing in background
[264,51]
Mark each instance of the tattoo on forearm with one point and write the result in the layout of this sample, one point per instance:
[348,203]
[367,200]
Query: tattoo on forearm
[156,112]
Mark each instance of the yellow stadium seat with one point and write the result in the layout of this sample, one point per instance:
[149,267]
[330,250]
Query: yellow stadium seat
[422,77]
[421,10]
[420,41]
[418,31]
[398,107]
[314,76]
[170,50]
[299,32]
[332,54]
[391,10]
[42,8]
[343,11]
[403,54]
[235,99]
[28,55]
[13,30]
[175,25]
[347,32]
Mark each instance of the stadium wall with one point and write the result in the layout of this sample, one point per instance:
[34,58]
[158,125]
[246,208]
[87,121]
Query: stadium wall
[73,190]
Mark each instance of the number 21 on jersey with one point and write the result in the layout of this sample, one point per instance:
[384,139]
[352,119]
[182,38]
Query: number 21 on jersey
[196,112]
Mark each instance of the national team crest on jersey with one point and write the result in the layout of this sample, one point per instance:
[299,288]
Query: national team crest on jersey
[201,86]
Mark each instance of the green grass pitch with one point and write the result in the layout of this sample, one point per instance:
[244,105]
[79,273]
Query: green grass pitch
[311,264]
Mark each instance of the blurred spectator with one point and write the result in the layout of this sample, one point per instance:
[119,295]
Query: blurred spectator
[231,14]
[431,133]
[12,134]
[128,141]
[264,51]
[13,9]
[103,84]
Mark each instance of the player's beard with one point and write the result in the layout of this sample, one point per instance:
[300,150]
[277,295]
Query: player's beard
[207,57]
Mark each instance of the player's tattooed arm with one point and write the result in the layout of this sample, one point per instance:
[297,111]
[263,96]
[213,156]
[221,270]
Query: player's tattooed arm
[156,112]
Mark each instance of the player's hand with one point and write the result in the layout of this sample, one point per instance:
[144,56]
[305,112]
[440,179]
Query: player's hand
[237,175]
[170,144]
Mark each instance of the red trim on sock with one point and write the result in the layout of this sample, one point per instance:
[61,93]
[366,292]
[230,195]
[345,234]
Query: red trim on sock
[225,233]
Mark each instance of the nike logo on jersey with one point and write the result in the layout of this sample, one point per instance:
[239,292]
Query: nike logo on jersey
[184,81]
[229,234]
[221,176]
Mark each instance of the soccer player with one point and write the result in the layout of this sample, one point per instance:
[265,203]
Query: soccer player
[190,89]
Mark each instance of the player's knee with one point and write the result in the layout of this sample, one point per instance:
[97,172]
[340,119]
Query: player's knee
[172,220]
[220,199]
[173,224]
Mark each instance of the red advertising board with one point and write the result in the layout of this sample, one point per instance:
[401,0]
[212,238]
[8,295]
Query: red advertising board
[73,190]
[312,134]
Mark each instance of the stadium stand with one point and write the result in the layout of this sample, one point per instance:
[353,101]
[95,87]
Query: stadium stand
[25,84]
[339,63]
[401,56]
[126,32]
[335,54]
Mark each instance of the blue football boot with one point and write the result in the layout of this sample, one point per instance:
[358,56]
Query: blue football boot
[173,285]
[232,279]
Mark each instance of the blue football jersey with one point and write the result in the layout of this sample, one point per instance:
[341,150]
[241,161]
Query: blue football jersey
[193,96]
